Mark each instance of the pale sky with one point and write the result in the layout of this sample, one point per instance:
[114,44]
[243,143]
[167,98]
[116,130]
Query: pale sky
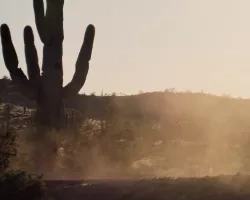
[150,45]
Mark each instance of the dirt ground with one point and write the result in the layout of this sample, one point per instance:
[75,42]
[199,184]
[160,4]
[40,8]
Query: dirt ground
[206,188]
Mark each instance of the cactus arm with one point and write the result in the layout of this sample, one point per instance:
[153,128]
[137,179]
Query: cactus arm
[11,63]
[40,19]
[82,64]
[10,57]
[31,55]
[9,52]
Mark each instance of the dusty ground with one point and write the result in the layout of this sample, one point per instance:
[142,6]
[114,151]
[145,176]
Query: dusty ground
[207,188]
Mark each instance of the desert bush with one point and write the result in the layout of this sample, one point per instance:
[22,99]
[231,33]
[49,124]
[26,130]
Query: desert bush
[21,185]
[7,150]
[16,184]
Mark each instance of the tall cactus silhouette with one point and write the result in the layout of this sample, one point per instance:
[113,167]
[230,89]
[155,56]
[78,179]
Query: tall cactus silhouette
[46,88]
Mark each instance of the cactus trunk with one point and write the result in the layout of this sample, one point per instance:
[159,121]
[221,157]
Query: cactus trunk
[47,88]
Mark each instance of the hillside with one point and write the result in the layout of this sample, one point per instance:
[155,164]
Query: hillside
[208,134]
[153,105]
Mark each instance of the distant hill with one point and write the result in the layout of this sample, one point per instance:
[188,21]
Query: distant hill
[153,106]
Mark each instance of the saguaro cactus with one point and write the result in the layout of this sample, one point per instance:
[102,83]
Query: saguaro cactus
[47,88]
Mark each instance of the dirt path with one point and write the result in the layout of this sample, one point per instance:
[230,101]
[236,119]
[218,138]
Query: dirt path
[78,190]
[207,188]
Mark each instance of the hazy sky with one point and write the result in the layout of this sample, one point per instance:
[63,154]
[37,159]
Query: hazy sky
[150,45]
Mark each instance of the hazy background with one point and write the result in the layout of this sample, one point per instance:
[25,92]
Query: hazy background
[150,45]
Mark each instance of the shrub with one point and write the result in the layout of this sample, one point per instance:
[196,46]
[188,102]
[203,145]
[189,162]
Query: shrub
[7,150]
[21,185]
[17,184]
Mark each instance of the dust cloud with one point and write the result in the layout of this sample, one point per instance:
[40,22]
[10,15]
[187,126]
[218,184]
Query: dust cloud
[195,135]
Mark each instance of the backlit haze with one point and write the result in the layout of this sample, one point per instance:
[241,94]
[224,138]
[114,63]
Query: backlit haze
[150,45]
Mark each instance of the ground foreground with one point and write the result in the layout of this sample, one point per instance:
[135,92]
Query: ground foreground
[206,188]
